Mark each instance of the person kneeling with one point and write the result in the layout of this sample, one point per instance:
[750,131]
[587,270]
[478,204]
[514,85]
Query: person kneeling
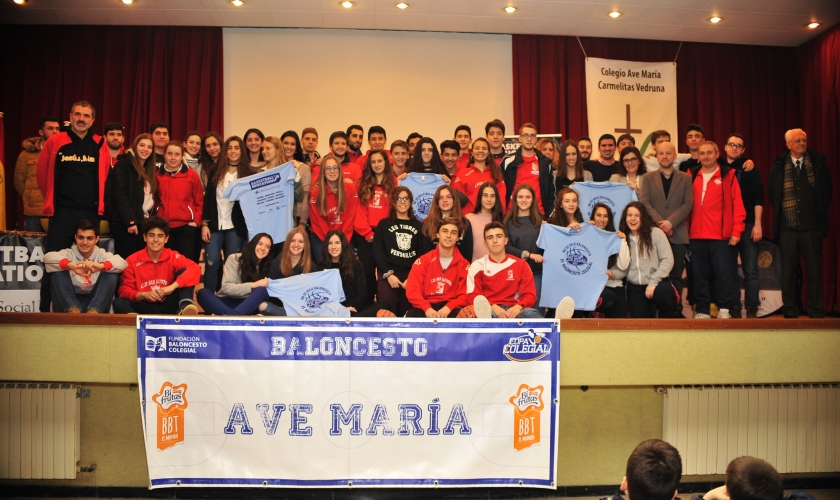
[154,273]
[84,276]
[496,280]
[244,281]
[436,286]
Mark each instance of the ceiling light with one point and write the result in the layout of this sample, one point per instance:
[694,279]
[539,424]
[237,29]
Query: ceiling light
[715,20]
[614,14]
[237,3]
[813,25]
[346,4]
[510,10]
[402,5]
[127,2]
[19,2]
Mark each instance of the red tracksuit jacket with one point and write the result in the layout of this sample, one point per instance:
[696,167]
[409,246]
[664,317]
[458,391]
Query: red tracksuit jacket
[499,282]
[142,274]
[470,179]
[179,197]
[377,208]
[428,284]
[334,220]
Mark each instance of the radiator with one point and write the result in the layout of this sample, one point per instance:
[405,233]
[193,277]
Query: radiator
[39,430]
[794,427]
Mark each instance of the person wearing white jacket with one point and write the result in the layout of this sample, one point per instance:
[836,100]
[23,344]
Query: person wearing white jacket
[84,277]
[648,286]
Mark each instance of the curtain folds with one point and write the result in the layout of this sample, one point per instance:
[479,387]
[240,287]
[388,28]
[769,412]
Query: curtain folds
[131,74]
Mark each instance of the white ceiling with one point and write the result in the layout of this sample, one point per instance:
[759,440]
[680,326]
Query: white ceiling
[754,22]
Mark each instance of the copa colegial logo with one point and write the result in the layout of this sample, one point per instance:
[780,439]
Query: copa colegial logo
[528,347]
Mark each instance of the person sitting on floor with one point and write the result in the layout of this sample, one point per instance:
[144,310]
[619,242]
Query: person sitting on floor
[244,281]
[84,277]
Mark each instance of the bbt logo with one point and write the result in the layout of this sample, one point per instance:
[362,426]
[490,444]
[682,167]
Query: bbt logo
[527,404]
[171,402]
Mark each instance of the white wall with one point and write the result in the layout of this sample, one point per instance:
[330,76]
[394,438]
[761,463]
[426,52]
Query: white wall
[281,79]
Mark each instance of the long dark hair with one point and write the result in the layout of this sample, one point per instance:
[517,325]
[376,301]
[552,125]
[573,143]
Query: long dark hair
[145,168]
[436,166]
[645,228]
[609,227]
[247,151]
[497,213]
[366,188]
[298,154]
[346,260]
[209,163]
[563,165]
[533,212]
[250,267]
[559,217]
[622,171]
[242,170]
[392,215]
[430,223]
[490,162]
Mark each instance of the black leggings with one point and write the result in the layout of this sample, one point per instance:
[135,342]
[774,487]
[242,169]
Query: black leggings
[665,299]
[613,302]
[364,251]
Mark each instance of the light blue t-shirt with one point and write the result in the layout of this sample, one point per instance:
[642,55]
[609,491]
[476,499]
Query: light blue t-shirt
[423,187]
[575,264]
[309,294]
[267,200]
[612,194]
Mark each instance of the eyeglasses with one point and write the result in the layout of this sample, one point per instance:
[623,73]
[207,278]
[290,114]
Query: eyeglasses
[331,168]
[628,161]
[735,145]
[403,198]
[528,136]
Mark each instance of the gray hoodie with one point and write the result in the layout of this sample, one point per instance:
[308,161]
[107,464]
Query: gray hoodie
[653,267]
[83,285]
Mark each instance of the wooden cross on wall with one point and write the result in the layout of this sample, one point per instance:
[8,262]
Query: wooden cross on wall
[628,130]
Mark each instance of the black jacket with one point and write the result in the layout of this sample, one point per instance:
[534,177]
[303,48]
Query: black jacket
[510,167]
[752,189]
[355,290]
[210,212]
[124,193]
[822,187]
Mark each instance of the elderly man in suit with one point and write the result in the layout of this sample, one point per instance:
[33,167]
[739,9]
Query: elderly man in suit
[666,194]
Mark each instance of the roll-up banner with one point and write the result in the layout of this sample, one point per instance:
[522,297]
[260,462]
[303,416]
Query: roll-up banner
[349,403]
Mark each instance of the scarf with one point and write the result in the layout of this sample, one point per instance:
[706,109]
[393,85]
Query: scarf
[789,189]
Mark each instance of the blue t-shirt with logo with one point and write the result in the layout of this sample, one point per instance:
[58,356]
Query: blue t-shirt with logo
[612,194]
[575,264]
[423,187]
[267,200]
[308,294]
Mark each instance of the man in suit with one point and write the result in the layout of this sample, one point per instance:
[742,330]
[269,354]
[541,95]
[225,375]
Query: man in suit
[800,192]
[666,194]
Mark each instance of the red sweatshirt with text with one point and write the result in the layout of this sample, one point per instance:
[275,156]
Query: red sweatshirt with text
[429,284]
[499,282]
[469,180]
[142,274]
[334,219]
[377,208]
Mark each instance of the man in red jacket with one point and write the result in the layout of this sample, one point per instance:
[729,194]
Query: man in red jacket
[437,283]
[72,169]
[501,285]
[154,273]
[715,227]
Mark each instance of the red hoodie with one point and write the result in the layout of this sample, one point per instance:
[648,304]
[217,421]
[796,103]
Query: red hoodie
[501,282]
[334,220]
[142,274]
[46,169]
[428,283]
[377,208]
[179,197]
[470,179]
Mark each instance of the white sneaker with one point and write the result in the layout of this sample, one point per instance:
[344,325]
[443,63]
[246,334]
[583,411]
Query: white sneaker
[482,307]
[702,316]
[724,314]
[565,309]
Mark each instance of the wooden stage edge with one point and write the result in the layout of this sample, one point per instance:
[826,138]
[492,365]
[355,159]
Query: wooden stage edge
[770,323]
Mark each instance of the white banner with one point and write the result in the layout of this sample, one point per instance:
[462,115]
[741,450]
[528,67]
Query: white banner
[326,403]
[630,97]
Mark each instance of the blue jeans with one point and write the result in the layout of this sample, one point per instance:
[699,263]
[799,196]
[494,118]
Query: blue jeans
[329,310]
[232,306]
[527,312]
[32,224]
[538,285]
[226,240]
[64,296]
[749,264]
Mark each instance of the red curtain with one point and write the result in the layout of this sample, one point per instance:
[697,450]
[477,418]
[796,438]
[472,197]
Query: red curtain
[819,73]
[133,75]
[759,92]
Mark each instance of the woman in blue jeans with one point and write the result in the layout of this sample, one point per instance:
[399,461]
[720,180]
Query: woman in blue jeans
[243,281]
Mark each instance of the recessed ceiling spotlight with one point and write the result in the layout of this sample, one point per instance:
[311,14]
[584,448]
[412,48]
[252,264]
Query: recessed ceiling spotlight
[614,14]
[510,10]
[402,5]
[127,2]
[237,3]
[20,2]
[346,4]
[715,20]
[813,25]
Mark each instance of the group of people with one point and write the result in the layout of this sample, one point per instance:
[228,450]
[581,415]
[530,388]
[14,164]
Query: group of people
[413,228]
